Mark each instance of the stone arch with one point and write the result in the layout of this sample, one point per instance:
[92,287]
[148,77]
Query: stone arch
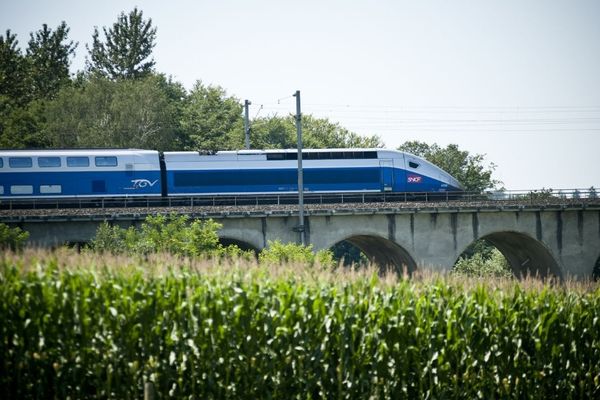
[387,254]
[525,255]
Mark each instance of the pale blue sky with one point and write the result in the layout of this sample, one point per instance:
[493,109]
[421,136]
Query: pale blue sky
[516,80]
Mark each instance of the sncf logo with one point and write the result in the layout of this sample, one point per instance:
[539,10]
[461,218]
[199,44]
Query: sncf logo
[414,179]
[141,183]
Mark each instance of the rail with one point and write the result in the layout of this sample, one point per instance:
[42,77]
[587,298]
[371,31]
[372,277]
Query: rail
[522,196]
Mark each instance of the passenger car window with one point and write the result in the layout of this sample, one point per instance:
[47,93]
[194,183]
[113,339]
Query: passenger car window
[106,161]
[49,162]
[20,162]
[1,163]
[50,189]
[413,164]
[78,162]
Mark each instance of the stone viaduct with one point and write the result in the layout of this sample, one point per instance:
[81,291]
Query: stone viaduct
[562,240]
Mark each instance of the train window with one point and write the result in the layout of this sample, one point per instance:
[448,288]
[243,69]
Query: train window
[106,161]
[49,162]
[20,162]
[1,189]
[413,164]
[21,189]
[78,162]
[50,189]
[1,163]
[276,156]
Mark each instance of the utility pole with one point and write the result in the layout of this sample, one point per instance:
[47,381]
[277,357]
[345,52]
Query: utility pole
[300,227]
[247,124]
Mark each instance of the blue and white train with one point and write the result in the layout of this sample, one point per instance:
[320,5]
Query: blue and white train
[124,173]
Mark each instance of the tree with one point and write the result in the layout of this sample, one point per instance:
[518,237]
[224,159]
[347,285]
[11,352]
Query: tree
[171,234]
[470,170]
[280,133]
[25,81]
[115,114]
[13,73]
[48,57]
[212,120]
[12,238]
[126,49]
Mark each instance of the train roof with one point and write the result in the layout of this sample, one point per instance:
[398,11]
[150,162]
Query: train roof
[75,152]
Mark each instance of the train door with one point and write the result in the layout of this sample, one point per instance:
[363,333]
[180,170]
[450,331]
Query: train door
[387,175]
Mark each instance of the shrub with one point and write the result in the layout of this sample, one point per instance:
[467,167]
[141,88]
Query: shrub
[490,264]
[277,253]
[173,234]
[12,238]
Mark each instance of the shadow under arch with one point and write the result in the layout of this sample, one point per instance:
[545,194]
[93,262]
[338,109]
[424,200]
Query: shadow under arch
[596,271]
[526,256]
[245,246]
[386,254]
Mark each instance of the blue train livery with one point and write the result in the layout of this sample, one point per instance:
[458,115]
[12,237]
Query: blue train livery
[79,173]
[100,173]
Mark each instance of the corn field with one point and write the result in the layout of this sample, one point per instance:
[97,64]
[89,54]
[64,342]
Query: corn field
[84,327]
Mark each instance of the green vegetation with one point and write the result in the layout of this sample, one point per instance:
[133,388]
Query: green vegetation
[277,253]
[126,49]
[469,169]
[173,234]
[12,238]
[488,263]
[80,326]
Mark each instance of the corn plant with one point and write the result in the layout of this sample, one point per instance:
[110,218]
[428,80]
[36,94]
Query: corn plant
[91,330]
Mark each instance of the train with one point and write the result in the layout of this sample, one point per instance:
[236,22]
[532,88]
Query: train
[72,173]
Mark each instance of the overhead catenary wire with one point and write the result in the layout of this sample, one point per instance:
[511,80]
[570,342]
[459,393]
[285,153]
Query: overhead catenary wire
[440,118]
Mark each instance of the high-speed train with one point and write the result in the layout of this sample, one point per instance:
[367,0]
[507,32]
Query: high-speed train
[131,172]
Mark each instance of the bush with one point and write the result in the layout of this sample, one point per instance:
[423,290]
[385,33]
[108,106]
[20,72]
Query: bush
[480,264]
[12,238]
[277,253]
[173,234]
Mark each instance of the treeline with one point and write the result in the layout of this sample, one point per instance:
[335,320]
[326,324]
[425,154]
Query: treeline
[120,100]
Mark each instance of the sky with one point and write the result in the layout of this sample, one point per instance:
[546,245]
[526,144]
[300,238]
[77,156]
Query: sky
[515,80]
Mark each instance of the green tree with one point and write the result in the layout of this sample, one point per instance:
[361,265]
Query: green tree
[25,81]
[126,49]
[172,234]
[48,56]
[280,133]
[212,120]
[470,170]
[490,263]
[22,126]
[117,114]
[13,73]
[12,238]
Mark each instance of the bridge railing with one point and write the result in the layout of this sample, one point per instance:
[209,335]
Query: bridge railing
[522,196]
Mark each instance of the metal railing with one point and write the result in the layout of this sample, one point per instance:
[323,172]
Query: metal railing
[541,196]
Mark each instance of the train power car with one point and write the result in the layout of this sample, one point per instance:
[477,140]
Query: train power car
[324,171]
[111,173]
[79,173]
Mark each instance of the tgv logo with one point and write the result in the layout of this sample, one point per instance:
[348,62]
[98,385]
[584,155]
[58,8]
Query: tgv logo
[142,183]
